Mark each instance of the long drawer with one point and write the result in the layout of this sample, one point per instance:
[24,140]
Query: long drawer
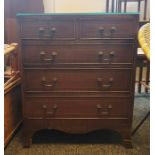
[87,53]
[77,79]
[76,108]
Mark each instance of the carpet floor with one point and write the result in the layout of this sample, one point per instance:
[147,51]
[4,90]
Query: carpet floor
[95,143]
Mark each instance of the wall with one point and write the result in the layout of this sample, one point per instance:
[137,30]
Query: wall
[88,6]
[74,5]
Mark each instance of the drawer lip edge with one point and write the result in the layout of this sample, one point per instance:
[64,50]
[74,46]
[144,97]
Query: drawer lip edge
[78,118]
[79,95]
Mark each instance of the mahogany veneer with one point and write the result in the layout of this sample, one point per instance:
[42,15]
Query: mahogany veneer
[78,72]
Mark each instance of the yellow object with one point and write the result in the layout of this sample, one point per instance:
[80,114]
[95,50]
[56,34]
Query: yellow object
[9,48]
[144,39]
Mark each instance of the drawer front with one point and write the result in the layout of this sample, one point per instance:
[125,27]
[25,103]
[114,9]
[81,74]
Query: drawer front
[77,108]
[77,79]
[86,26]
[55,30]
[57,54]
[91,28]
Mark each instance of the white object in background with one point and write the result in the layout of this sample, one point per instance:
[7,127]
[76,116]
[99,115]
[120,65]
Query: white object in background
[72,6]
[49,6]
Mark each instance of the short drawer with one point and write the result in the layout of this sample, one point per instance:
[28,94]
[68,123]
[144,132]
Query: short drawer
[76,79]
[89,53]
[55,30]
[77,108]
[92,28]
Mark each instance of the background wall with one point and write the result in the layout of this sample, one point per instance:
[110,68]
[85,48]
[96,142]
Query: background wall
[88,6]
[74,5]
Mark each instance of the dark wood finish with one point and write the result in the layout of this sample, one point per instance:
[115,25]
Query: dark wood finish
[74,108]
[81,80]
[140,78]
[12,7]
[147,78]
[70,79]
[11,31]
[62,54]
[139,3]
[125,5]
[141,63]
[145,9]
[107,5]
[112,5]
[12,109]
[105,27]
[53,29]
[12,92]
[91,28]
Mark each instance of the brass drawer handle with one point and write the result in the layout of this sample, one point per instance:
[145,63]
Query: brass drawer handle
[41,31]
[100,54]
[48,60]
[106,33]
[112,54]
[113,29]
[101,29]
[53,112]
[50,113]
[43,82]
[53,30]
[106,57]
[105,86]
[104,111]
[50,34]
[44,106]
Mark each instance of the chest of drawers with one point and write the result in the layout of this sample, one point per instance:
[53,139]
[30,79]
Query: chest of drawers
[78,72]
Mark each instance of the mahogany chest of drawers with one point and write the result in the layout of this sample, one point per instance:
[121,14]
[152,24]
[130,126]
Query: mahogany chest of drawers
[78,72]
